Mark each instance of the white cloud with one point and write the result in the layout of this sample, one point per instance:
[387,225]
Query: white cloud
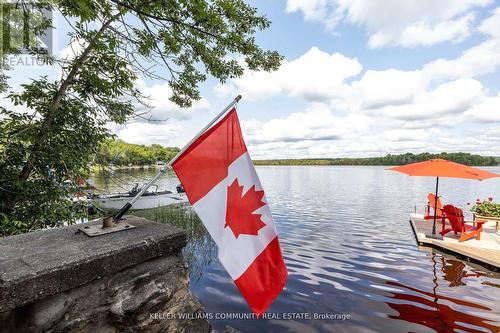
[448,98]
[370,143]
[389,87]
[73,49]
[314,76]
[329,12]
[160,108]
[397,135]
[440,89]
[424,34]
[491,25]
[317,124]
[478,60]
[148,133]
[161,121]
[487,111]
[406,23]
[223,90]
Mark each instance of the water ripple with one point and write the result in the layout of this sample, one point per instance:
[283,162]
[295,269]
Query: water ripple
[349,248]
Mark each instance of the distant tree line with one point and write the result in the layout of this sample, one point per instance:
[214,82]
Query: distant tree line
[121,153]
[389,159]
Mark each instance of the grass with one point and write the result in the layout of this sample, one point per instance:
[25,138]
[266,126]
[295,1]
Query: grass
[181,216]
[201,250]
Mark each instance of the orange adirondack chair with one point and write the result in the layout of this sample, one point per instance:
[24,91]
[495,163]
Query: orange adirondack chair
[430,204]
[456,217]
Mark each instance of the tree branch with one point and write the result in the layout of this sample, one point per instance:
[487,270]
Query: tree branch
[166,19]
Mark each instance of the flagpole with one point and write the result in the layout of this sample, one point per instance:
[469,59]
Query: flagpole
[163,170]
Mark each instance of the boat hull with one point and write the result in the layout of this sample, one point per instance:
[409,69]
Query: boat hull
[146,202]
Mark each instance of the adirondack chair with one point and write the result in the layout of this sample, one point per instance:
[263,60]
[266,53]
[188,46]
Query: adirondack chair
[456,217]
[430,204]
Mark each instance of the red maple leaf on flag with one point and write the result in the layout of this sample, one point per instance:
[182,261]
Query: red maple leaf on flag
[239,212]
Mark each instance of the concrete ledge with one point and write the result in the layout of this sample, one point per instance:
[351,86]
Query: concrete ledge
[42,263]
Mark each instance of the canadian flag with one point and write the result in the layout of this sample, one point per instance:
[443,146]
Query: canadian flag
[224,190]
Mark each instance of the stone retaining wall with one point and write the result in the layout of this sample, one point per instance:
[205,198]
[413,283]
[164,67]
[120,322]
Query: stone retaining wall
[61,280]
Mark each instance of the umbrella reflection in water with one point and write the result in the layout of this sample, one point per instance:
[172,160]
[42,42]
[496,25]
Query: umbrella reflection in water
[439,312]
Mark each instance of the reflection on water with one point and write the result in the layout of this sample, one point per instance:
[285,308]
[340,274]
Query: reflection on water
[455,270]
[349,250]
[437,311]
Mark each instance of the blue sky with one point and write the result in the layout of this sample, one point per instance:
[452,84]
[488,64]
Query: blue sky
[360,78]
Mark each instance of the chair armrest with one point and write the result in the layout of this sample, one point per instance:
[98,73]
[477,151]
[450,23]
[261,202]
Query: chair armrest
[479,223]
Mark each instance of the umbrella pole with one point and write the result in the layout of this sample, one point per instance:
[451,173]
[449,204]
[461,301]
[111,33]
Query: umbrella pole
[435,207]
[433,234]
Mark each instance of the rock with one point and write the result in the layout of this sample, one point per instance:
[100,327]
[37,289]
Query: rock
[130,281]
[229,329]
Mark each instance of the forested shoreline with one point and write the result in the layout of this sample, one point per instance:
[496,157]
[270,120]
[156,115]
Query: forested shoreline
[389,159]
[121,153]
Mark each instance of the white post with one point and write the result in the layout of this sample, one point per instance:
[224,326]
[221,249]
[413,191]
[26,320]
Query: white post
[163,170]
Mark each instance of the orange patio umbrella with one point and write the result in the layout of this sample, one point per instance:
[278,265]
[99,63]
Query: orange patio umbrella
[443,168]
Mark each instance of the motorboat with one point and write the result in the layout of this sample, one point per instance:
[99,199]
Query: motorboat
[148,200]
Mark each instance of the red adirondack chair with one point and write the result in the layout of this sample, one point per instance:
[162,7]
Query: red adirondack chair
[430,204]
[456,217]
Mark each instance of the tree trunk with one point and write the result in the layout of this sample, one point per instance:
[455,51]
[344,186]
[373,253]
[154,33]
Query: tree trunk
[49,118]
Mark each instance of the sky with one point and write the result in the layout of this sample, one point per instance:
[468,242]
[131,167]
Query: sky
[360,78]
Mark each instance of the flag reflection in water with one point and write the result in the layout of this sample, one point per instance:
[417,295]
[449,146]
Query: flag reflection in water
[437,311]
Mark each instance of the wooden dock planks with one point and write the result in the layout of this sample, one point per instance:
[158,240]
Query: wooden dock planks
[486,250]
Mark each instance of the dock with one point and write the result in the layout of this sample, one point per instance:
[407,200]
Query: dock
[485,250]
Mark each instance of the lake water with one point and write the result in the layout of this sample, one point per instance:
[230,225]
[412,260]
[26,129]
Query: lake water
[350,252]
